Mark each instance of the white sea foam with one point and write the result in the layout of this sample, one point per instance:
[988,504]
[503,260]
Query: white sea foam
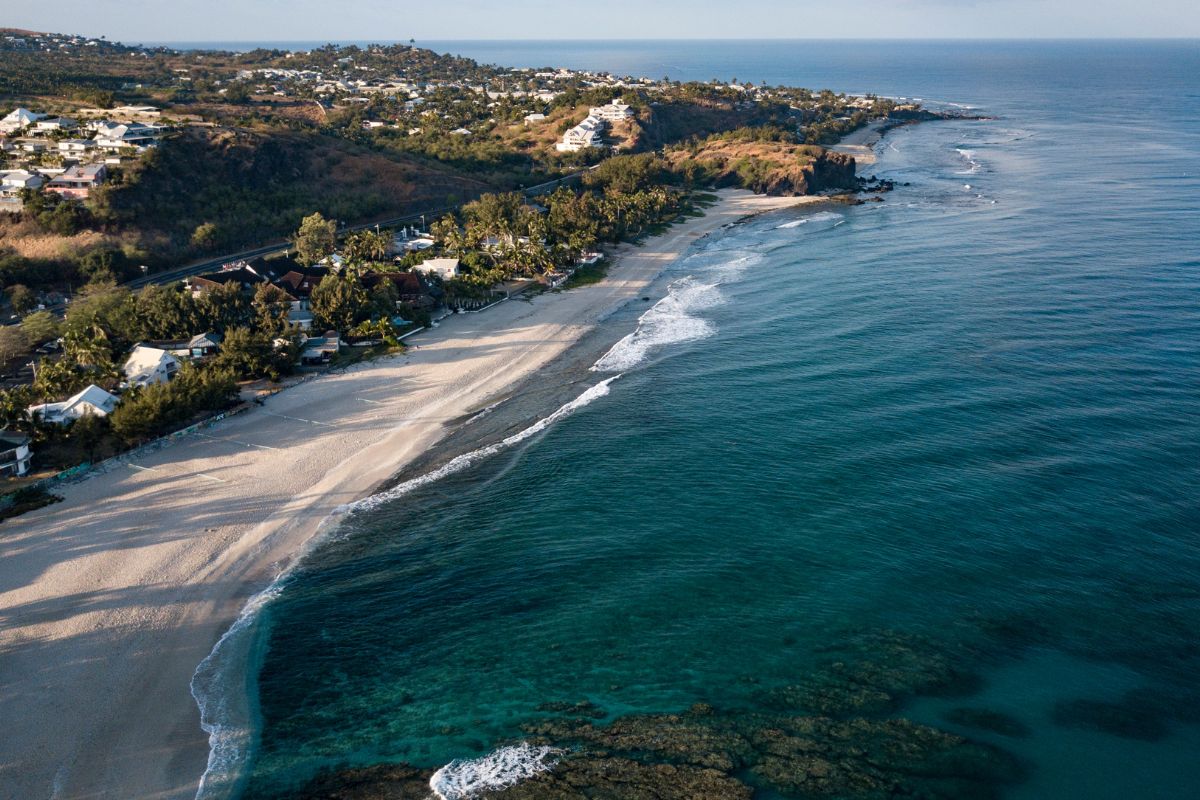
[459,463]
[973,165]
[820,216]
[224,714]
[224,710]
[670,321]
[461,779]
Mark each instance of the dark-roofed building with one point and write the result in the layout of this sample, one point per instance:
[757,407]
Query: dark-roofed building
[300,281]
[242,274]
[411,290]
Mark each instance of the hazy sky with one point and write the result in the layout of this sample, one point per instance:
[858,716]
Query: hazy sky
[134,21]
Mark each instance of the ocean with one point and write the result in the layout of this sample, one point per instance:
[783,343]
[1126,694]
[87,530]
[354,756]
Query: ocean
[930,463]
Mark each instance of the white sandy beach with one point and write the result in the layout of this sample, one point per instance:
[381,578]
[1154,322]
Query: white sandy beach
[861,143]
[110,599]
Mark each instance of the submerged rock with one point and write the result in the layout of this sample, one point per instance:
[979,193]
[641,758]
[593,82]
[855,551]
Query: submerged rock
[820,737]
[600,778]
[872,673]
[584,708]
[672,738]
[815,757]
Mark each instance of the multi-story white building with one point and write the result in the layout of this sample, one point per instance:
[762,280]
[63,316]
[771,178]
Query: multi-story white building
[14,453]
[584,135]
[613,112]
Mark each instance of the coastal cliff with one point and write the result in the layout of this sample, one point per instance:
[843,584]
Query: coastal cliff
[767,167]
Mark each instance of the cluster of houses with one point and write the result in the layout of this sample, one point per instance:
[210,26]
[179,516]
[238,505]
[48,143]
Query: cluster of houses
[590,132]
[148,363]
[67,156]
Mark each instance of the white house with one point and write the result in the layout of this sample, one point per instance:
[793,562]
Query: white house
[55,124]
[584,135]
[14,453]
[75,148]
[532,118]
[613,112]
[11,184]
[444,268]
[149,365]
[21,179]
[114,136]
[19,119]
[92,401]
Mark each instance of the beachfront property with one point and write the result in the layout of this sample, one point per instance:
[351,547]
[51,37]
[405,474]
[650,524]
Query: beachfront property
[78,181]
[199,346]
[149,365]
[91,401]
[444,268]
[410,289]
[203,345]
[14,454]
[320,349]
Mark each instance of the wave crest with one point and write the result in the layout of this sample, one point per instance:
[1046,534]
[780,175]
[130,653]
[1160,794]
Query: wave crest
[669,321]
[463,778]
[459,463]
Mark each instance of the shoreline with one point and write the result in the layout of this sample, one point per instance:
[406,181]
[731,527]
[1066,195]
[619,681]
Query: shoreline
[113,597]
[861,143]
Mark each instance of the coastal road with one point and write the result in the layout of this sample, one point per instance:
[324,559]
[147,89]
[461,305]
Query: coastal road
[281,246]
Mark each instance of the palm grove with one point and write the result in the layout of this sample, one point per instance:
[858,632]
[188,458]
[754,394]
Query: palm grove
[496,238]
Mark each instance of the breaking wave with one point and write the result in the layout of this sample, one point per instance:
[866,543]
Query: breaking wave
[669,321]
[820,216]
[459,463]
[225,712]
[969,156]
[464,778]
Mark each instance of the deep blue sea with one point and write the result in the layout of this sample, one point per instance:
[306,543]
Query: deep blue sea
[958,427]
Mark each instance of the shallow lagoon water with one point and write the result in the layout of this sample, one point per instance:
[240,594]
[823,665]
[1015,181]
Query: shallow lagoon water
[968,416]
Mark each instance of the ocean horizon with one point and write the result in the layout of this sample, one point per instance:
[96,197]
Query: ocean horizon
[929,461]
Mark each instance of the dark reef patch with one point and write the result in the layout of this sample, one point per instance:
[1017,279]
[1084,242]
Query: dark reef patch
[828,735]
[984,719]
[1125,719]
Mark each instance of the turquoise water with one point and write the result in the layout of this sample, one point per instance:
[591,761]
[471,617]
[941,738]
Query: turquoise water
[967,418]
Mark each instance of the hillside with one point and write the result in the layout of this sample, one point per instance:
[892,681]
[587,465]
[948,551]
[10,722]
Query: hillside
[255,186]
[769,166]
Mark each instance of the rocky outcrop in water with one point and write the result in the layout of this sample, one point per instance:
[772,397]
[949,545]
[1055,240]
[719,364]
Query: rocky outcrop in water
[825,736]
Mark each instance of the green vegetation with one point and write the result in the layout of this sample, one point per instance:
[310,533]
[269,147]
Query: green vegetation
[316,239]
[160,408]
[269,146]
